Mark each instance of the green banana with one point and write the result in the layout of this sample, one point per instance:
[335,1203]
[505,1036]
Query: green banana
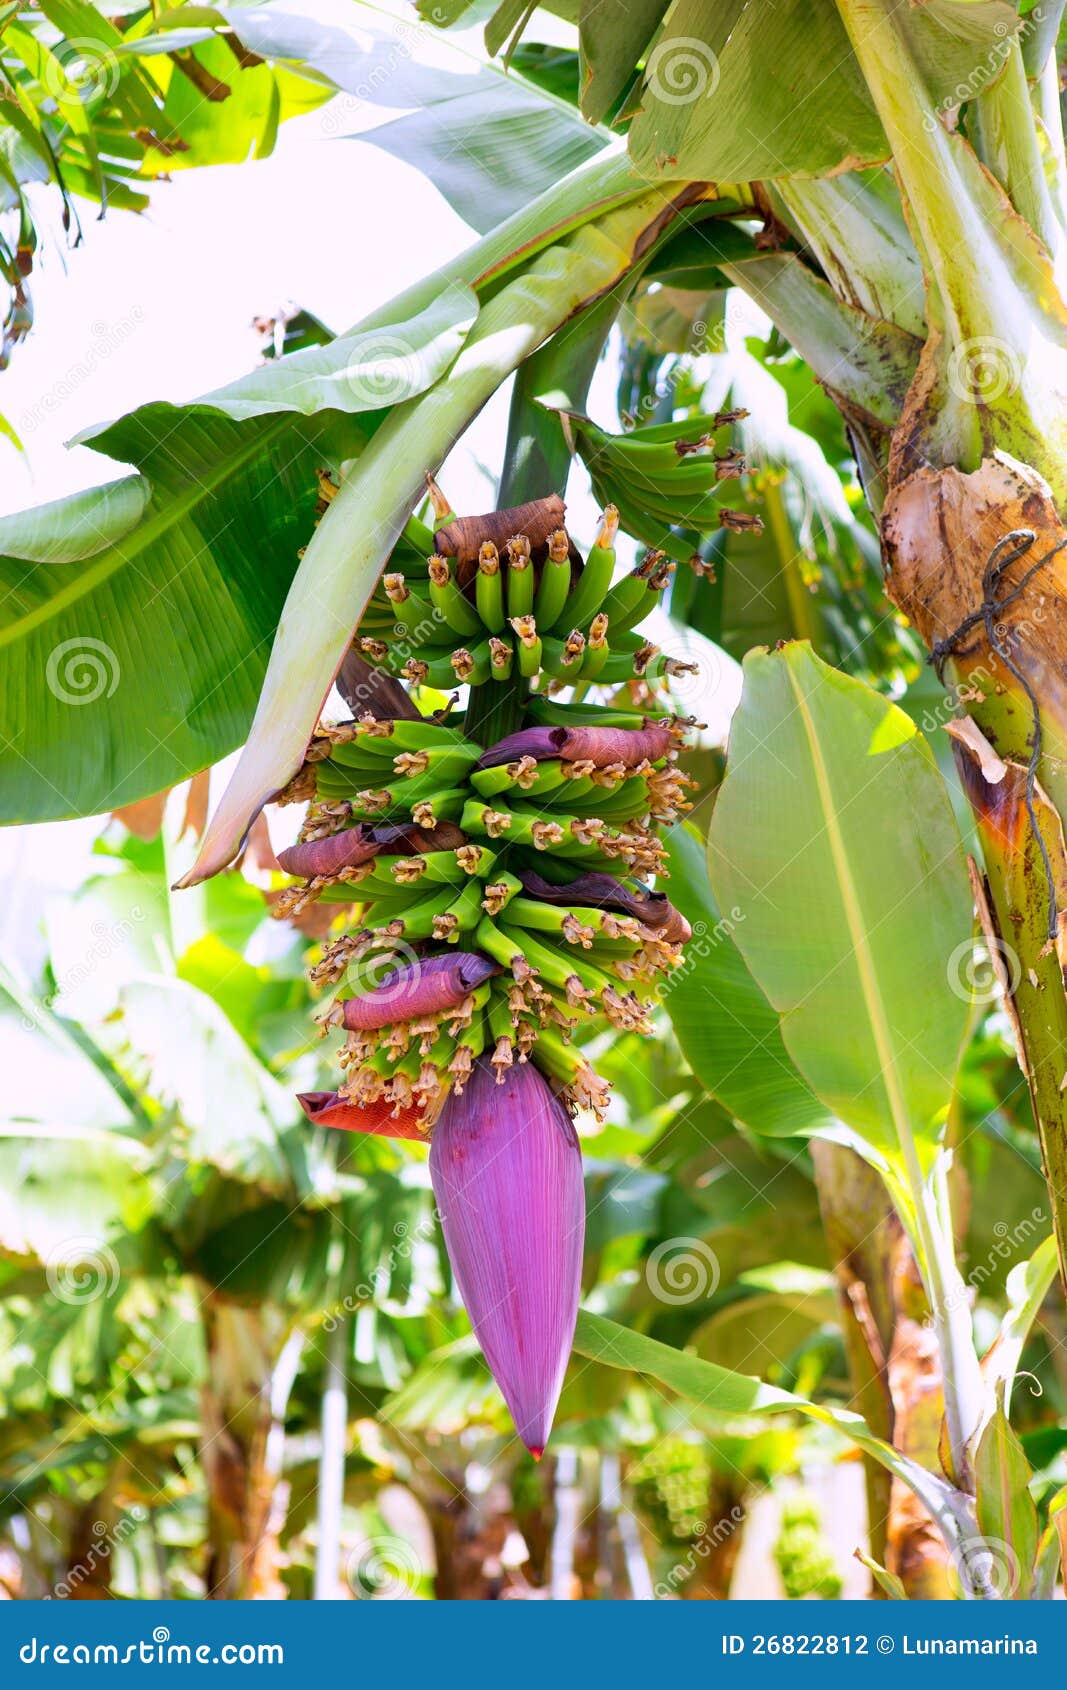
[520,577]
[587,597]
[501,658]
[447,598]
[555,583]
[489,588]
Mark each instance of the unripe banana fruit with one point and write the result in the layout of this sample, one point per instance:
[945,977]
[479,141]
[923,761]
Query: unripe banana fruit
[459,938]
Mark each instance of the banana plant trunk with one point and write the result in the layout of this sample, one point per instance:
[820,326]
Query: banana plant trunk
[1010,674]
[241,1477]
[893,1362]
[971,501]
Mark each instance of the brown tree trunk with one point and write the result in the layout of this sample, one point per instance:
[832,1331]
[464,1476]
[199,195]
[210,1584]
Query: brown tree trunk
[88,1575]
[893,1359]
[468,1537]
[241,1348]
[717,1552]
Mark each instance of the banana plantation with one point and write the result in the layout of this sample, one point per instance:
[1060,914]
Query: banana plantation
[532,984]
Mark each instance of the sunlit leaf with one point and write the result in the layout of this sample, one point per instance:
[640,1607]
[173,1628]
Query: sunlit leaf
[834,839]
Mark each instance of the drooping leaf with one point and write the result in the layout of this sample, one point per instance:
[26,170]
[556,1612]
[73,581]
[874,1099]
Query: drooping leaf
[73,529]
[364,370]
[721,1392]
[148,638]
[834,838]
[491,150]
[738,90]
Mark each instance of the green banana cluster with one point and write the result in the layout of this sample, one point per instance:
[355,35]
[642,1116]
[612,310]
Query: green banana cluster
[436,844]
[519,617]
[666,480]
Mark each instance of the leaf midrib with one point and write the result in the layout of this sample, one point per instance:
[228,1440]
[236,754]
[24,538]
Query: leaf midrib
[144,534]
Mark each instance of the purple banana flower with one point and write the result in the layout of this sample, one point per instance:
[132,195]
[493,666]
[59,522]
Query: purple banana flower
[538,743]
[507,1175]
[599,746]
[603,892]
[331,854]
[330,1109]
[355,845]
[426,987]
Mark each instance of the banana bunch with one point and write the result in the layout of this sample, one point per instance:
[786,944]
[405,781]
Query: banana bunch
[493,894]
[666,480]
[521,605]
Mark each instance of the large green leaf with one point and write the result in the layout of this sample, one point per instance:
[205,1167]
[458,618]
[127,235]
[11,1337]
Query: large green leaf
[133,652]
[722,1392]
[834,839]
[487,141]
[491,149]
[727,1030]
[735,90]
[364,370]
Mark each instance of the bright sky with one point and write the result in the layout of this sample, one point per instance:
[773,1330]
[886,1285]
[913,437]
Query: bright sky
[160,306]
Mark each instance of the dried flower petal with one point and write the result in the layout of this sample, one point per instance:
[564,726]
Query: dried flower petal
[598,746]
[425,987]
[604,892]
[330,1109]
[538,743]
[333,852]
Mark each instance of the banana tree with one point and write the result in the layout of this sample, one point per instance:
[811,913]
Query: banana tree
[902,226]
